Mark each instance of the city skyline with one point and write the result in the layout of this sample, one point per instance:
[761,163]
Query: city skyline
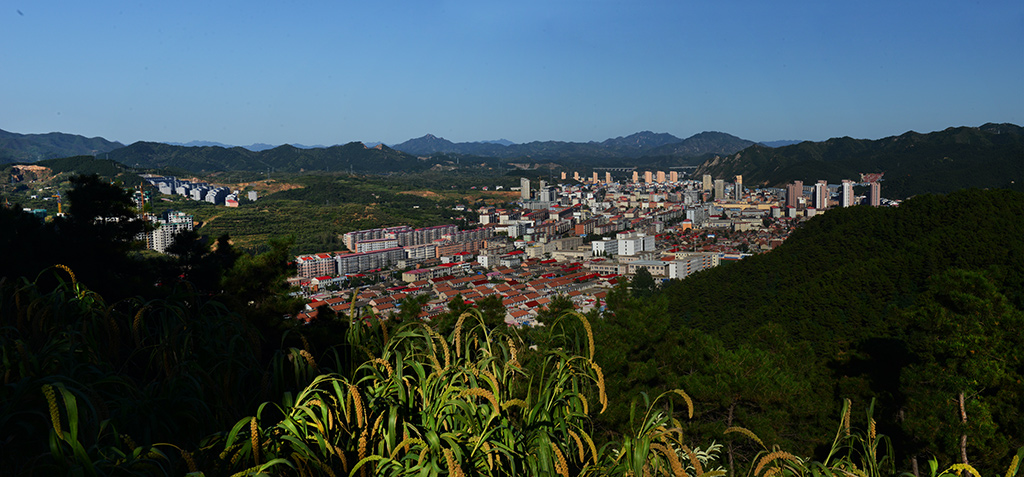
[332,73]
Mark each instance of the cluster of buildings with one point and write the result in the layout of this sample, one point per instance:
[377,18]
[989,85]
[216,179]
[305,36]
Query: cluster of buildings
[400,247]
[166,226]
[812,199]
[574,240]
[197,190]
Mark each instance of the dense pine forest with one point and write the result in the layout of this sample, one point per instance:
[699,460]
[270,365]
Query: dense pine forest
[872,342]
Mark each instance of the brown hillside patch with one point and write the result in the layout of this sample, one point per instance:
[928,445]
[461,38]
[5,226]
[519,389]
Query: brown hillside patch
[265,187]
[426,194]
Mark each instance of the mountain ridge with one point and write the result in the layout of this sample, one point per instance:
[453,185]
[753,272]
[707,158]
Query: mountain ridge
[643,143]
[16,147]
[991,155]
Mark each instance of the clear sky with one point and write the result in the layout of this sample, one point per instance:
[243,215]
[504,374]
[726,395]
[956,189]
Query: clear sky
[331,72]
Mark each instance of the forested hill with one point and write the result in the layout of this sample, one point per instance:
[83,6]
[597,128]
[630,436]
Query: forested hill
[16,147]
[988,156]
[910,306]
[353,156]
[842,275]
[637,145]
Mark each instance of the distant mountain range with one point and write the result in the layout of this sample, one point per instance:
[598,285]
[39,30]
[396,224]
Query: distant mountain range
[255,147]
[784,142]
[16,147]
[641,144]
[353,156]
[991,155]
[943,161]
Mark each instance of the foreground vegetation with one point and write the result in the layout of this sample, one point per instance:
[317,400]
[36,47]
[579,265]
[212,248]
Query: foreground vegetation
[166,387]
[116,362]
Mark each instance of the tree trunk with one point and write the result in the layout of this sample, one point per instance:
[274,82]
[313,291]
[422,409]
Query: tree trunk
[913,466]
[728,423]
[963,437]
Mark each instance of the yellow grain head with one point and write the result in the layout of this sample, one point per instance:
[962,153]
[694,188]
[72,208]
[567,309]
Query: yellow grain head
[846,416]
[960,468]
[1012,471]
[771,457]
[746,432]
[189,461]
[694,461]
[309,359]
[458,333]
[583,401]
[590,334]
[383,330]
[579,443]
[254,437]
[357,400]
[128,441]
[672,458]
[514,402]
[481,392]
[376,424]
[561,466]
[51,400]
[686,397]
[363,445]
[492,377]
[453,466]
[602,397]
[305,342]
[447,352]
[512,351]
[69,272]
[137,325]
[386,365]
[341,455]
[487,451]
[872,433]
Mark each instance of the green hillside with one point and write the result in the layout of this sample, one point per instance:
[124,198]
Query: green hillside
[988,156]
[859,303]
[16,147]
[353,156]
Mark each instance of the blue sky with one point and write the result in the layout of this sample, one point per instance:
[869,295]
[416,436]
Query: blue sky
[330,72]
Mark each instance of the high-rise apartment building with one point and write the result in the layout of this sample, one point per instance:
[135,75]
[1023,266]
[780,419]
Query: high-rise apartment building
[719,188]
[821,195]
[737,190]
[706,184]
[846,198]
[661,177]
[524,186]
[875,194]
[794,192]
[648,177]
[673,176]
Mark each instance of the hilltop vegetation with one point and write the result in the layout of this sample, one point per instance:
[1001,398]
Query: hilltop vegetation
[16,147]
[910,306]
[944,161]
